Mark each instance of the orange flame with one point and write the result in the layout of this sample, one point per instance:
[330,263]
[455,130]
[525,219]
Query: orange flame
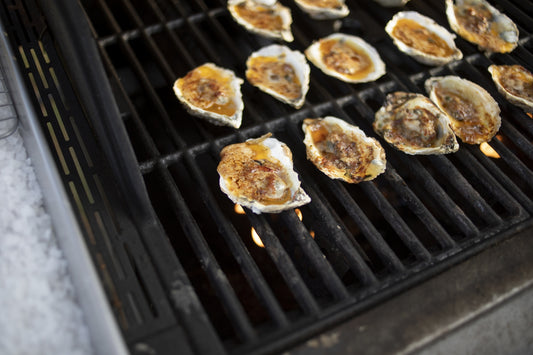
[238,209]
[257,239]
[488,150]
[299,213]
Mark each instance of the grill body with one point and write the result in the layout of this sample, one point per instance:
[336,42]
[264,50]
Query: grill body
[177,262]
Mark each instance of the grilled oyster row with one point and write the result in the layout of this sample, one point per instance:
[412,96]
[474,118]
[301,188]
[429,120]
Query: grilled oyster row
[213,93]
[258,174]
[458,107]
[414,34]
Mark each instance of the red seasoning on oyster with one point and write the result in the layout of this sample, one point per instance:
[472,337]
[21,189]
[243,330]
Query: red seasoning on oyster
[515,83]
[212,93]
[342,151]
[473,113]
[411,123]
[272,21]
[258,174]
[280,72]
[345,57]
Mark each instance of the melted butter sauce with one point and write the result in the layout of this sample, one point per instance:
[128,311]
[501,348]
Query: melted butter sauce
[469,121]
[275,187]
[477,25]
[517,80]
[326,4]
[346,58]
[260,16]
[276,75]
[419,37]
[210,90]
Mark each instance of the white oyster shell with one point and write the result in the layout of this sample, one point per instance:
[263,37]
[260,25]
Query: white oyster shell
[266,2]
[419,45]
[343,151]
[275,76]
[392,3]
[258,174]
[473,113]
[212,93]
[350,59]
[515,83]
[482,24]
[259,18]
[324,9]
[411,123]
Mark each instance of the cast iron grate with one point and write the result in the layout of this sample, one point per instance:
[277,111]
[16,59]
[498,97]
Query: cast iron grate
[371,240]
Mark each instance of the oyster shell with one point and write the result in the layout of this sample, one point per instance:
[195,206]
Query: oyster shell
[269,21]
[345,57]
[342,151]
[392,3]
[515,83]
[258,174]
[324,9]
[422,38]
[413,124]
[482,24]
[212,93]
[473,113]
[280,72]
[266,2]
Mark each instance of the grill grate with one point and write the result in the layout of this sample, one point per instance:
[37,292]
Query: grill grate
[356,244]
[368,237]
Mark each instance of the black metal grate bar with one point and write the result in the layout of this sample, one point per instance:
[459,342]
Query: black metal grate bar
[284,264]
[387,256]
[315,256]
[218,280]
[250,269]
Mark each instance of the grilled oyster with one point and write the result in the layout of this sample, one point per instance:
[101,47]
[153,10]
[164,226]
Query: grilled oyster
[258,174]
[345,57]
[413,124]
[422,38]
[280,72]
[270,21]
[324,9]
[473,113]
[392,3]
[515,83]
[212,93]
[482,24]
[342,151]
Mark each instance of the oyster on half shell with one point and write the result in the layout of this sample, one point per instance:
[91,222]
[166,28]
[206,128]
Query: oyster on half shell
[422,38]
[411,123]
[269,21]
[342,151]
[324,9]
[482,24]
[515,83]
[345,57]
[280,72]
[473,113]
[212,93]
[258,174]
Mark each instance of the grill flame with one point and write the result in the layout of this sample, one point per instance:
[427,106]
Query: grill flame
[255,237]
[488,151]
